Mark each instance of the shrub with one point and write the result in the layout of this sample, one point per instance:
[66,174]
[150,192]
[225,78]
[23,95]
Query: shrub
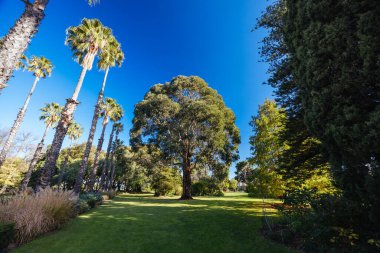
[81,206]
[207,187]
[38,213]
[322,223]
[166,181]
[110,194]
[92,199]
[6,234]
[265,185]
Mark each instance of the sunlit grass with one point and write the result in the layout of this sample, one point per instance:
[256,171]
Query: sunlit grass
[142,223]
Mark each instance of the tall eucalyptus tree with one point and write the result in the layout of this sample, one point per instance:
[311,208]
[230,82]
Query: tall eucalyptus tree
[41,68]
[189,122]
[86,41]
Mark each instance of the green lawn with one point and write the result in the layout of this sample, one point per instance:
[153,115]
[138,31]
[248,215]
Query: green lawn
[142,223]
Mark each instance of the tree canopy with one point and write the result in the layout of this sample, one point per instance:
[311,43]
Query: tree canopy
[267,148]
[189,122]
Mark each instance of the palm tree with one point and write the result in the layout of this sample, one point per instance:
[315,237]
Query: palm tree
[106,160]
[86,41]
[74,132]
[50,115]
[110,110]
[19,37]
[105,164]
[111,56]
[41,68]
[111,168]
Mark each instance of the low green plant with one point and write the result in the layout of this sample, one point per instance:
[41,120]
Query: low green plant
[92,199]
[316,222]
[6,234]
[81,206]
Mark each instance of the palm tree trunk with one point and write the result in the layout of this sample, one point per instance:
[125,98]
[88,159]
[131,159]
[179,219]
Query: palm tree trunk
[16,124]
[105,164]
[18,39]
[79,179]
[79,84]
[64,167]
[60,133]
[33,162]
[96,160]
[111,173]
[111,168]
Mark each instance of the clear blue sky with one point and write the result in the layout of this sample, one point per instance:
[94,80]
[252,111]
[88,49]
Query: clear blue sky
[161,39]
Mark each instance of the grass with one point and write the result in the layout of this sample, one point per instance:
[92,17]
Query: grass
[142,223]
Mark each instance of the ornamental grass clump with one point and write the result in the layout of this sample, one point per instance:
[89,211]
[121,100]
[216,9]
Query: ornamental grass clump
[37,214]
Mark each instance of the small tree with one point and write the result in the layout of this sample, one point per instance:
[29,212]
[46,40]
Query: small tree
[267,148]
[233,185]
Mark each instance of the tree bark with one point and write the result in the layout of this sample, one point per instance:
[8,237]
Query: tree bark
[96,160]
[95,117]
[33,162]
[186,180]
[79,84]
[16,124]
[53,153]
[111,165]
[111,172]
[18,39]
[64,167]
[105,164]
[60,133]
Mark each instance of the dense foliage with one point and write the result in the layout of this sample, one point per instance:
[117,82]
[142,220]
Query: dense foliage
[189,122]
[166,181]
[207,186]
[324,67]
[267,149]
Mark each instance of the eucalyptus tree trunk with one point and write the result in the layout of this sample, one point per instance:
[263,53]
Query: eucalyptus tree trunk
[111,169]
[186,180]
[60,133]
[64,167]
[16,125]
[96,160]
[33,162]
[18,38]
[105,164]
[87,151]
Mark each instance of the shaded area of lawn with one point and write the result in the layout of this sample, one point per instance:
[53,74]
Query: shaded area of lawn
[142,223]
